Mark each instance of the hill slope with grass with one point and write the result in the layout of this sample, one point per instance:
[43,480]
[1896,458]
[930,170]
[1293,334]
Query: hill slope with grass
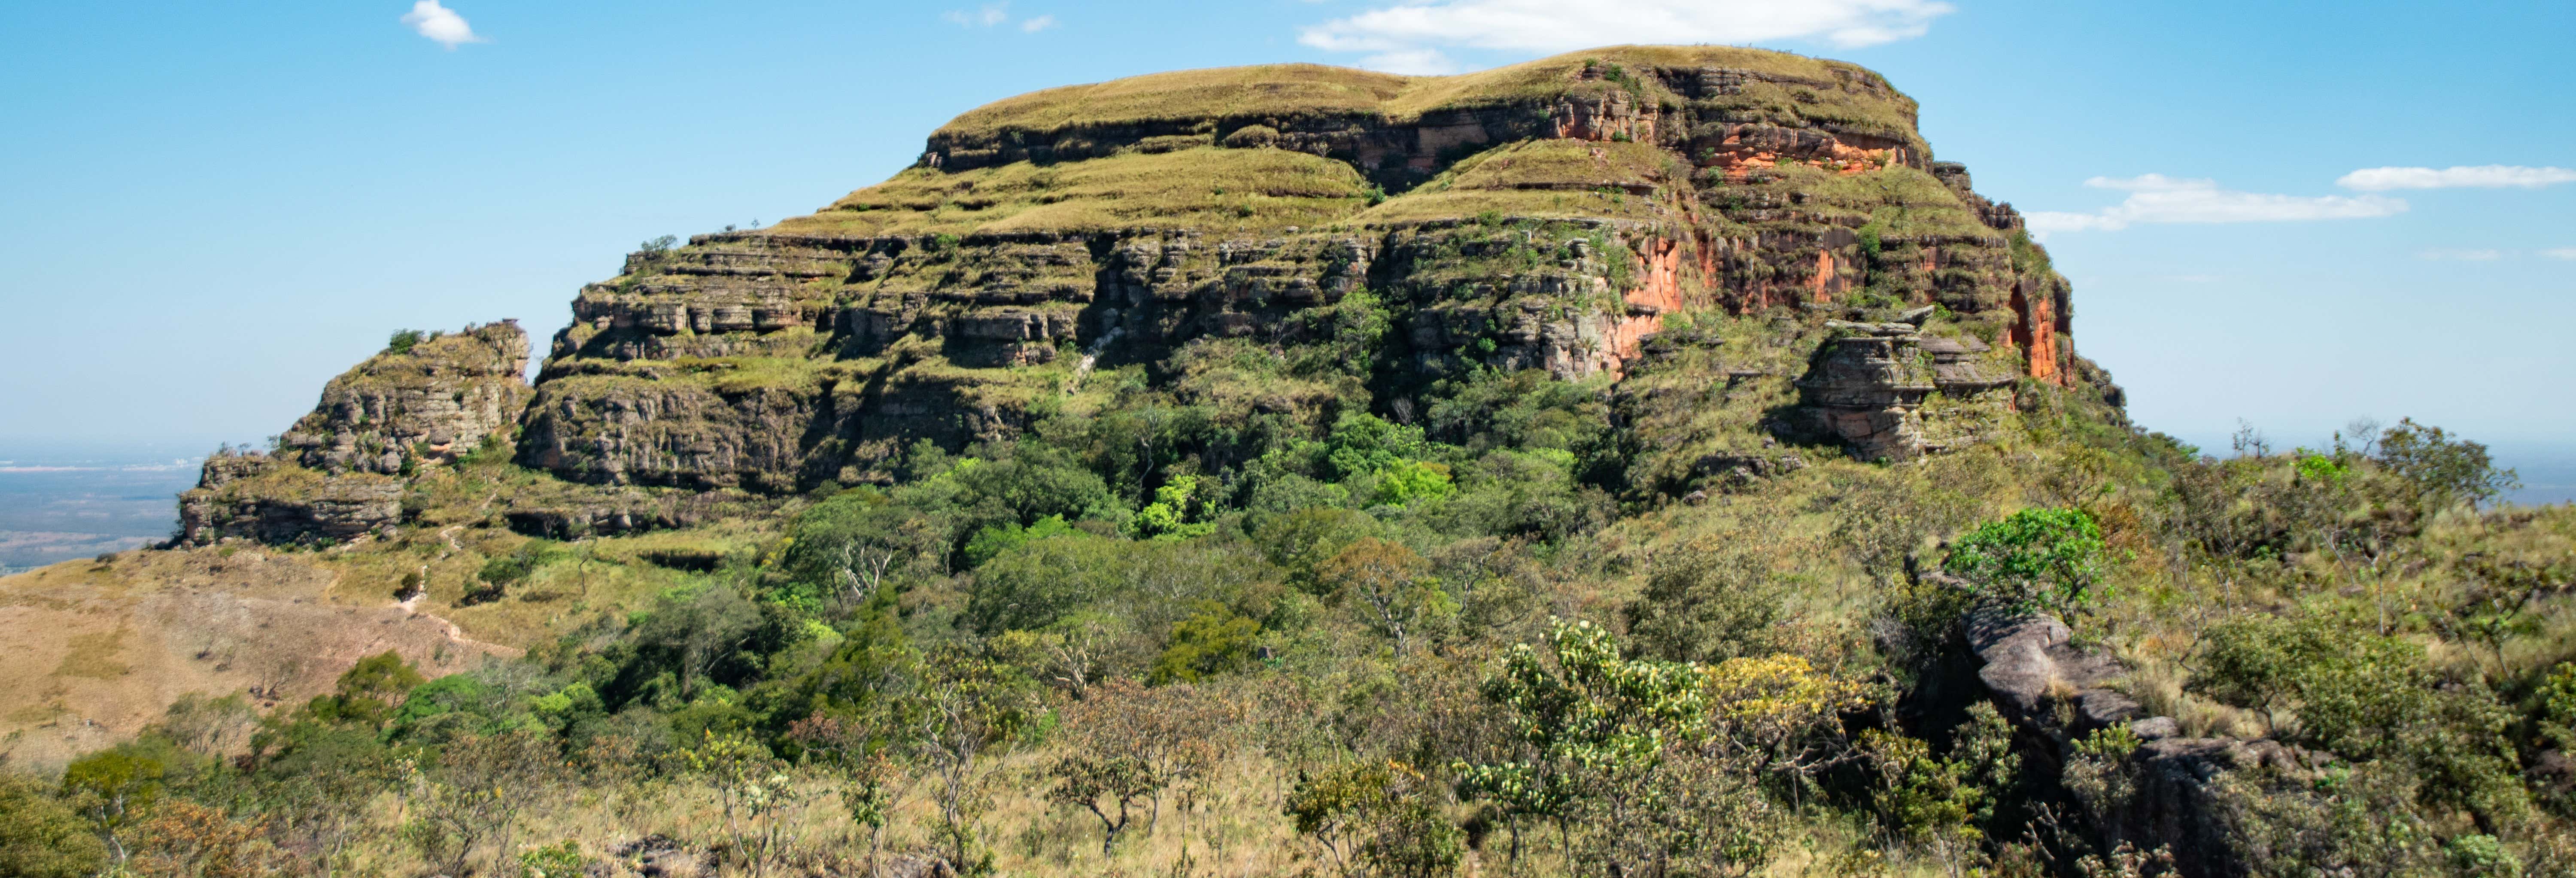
[1647,460]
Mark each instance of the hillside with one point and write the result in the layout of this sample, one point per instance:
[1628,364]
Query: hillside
[1648,460]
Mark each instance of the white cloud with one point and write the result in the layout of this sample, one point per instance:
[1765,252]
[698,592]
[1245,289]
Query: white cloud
[2560,253]
[441,24]
[2463,177]
[1407,33]
[2453,255]
[2042,222]
[991,14]
[2156,198]
[1412,62]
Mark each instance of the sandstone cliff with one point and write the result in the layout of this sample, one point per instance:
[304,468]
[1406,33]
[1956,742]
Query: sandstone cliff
[426,403]
[336,474]
[1548,215]
[1757,248]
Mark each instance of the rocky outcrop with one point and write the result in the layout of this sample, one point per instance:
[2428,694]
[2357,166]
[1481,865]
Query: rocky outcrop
[1868,384]
[1548,216]
[258,497]
[2048,685]
[339,472]
[423,403]
[1865,388]
[611,511]
[2175,793]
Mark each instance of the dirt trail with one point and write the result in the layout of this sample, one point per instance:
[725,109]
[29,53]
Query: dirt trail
[455,634]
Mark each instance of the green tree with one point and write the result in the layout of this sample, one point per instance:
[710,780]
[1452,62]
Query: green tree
[2442,470]
[1707,606]
[42,836]
[864,753]
[757,792]
[996,539]
[368,692]
[1110,787]
[1622,756]
[114,790]
[482,786]
[971,708]
[1169,516]
[1389,585]
[1031,586]
[1946,804]
[1377,818]
[1301,541]
[2035,559]
[1215,640]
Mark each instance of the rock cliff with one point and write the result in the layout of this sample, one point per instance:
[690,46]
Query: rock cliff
[1551,215]
[1749,248]
[337,473]
[425,403]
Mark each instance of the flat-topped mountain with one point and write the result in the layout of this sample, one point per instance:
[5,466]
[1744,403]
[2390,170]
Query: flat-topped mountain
[1579,215]
[1648,460]
[1553,215]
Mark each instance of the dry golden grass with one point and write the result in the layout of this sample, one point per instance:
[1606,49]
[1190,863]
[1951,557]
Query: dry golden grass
[1292,90]
[1260,90]
[101,650]
[1206,187]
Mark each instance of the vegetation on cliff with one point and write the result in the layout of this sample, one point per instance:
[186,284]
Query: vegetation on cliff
[1252,472]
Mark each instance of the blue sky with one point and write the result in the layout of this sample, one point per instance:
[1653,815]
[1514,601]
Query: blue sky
[212,208]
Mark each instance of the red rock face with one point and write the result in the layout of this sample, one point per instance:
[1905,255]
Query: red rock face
[1660,294]
[1826,284]
[1662,289]
[2035,332]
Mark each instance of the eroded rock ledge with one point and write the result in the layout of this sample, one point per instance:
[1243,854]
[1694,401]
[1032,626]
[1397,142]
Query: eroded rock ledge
[2177,796]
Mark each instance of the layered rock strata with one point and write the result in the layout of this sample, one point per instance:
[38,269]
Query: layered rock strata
[339,472]
[1558,215]
[259,497]
[426,403]
[1551,215]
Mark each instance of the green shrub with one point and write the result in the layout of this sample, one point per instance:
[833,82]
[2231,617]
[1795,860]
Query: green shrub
[1420,480]
[2036,559]
[1381,815]
[2367,696]
[554,861]
[1169,516]
[1707,607]
[42,837]
[1030,586]
[499,574]
[2442,470]
[1215,641]
[996,539]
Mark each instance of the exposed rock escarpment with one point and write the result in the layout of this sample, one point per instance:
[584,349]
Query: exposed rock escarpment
[428,402]
[2039,678]
[337,474]
[1593,217]
[2179,794]
[259,497]
[1551,215]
